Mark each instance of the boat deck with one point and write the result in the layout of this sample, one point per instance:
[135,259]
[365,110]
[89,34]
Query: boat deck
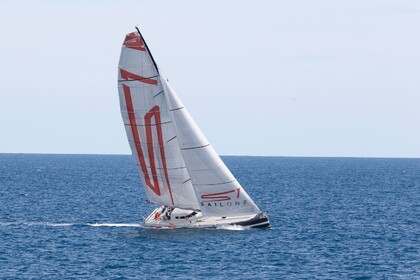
[180,218]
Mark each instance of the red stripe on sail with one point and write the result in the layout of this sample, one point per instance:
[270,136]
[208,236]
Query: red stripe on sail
[154,112]
[128,75]
[133,41]
[217,196]
[136,138]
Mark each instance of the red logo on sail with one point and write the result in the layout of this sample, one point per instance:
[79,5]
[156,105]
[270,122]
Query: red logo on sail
[133,41]
[220,196]
[134,77]
[154,113]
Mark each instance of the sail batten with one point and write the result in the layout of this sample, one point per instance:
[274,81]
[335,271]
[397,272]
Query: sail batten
[215,184]
[192,148]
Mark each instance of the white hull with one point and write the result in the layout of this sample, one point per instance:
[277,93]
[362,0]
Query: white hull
[180,218]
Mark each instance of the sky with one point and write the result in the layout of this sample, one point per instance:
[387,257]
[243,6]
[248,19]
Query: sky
[269,78]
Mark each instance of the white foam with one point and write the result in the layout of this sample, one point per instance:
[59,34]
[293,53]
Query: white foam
[50,224]
[36,224]
[231,227]
[6,224]
[114,225]
[59,225]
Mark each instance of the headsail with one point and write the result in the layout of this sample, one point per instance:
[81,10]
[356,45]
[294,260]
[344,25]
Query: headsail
[217,190]
[177,164]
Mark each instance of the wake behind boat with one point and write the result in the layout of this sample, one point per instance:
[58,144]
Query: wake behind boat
[178,167]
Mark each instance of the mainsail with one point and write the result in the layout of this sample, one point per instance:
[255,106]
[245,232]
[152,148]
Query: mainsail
[178,166]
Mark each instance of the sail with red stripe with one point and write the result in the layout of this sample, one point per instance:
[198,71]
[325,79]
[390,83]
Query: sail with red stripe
[150,129]
[177,164]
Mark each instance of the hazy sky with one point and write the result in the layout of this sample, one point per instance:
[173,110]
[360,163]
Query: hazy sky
[285,78]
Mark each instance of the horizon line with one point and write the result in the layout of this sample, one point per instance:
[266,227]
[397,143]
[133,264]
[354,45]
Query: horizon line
[283,156]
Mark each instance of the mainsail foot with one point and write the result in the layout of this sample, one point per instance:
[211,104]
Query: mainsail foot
[170,218]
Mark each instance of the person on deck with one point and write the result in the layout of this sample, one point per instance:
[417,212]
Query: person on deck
[168,213]
[157,215]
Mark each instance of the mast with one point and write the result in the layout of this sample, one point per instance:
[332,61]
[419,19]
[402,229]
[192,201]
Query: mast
[148,50]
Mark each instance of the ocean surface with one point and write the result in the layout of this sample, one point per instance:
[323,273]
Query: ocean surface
[79,216]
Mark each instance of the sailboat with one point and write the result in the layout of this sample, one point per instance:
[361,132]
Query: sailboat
[179,169]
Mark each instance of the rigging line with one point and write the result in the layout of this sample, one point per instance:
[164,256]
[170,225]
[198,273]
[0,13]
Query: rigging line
[192,148]
[157,94]
[144,78]
[147,48]
[176,109]
[215,183]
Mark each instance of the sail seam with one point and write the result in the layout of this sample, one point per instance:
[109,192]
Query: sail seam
[168,168]
[150,124]
[141,111]
[131,79]
[192,148]
[186,181]
[215,183]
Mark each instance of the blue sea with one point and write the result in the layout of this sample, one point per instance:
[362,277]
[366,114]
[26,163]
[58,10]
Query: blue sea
[79,216]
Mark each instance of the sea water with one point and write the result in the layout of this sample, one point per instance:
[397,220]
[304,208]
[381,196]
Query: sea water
[79,216]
